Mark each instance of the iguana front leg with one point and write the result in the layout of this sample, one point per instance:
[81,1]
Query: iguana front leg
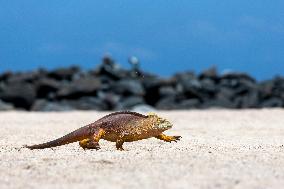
[93,142]
[168,138]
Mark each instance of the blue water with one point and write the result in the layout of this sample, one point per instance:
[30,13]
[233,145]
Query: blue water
[167,36]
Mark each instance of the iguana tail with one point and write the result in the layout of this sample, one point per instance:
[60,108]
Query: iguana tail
[77,135]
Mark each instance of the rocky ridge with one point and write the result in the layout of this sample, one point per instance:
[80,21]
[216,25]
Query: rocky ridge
[110,87]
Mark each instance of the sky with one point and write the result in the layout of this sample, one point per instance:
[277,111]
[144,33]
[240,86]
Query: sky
[167,36]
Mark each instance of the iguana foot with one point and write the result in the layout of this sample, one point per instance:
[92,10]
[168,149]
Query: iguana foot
[175,138]
[168,138]
[89,144]
[120,148]
[119,144]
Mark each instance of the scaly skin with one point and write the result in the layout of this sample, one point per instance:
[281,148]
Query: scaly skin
[117,127]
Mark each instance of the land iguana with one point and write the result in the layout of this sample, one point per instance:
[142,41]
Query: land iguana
[119,127]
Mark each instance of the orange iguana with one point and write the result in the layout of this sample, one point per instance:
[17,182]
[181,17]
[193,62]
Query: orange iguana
[117,127]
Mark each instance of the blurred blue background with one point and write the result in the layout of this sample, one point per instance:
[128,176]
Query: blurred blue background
[167,36]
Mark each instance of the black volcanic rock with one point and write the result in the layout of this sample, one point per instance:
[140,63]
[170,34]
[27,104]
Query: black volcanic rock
[20,94]
[4,76]
[226,93]
[110,87]
[267,89]
[278,89]
[46,86]
[81,87]
[249,100]
[166,91]
[27,77]
[64,73]
[87,103]
[208,87]
[167,103]
[152,86]
[192,89]
[272,102]
[110,69]
[84,103]
[189,84]
[155,88]
[109,98]
[237,75]
[47,106]
[127,87]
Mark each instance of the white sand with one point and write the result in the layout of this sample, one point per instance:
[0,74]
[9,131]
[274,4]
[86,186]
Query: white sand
[219,149]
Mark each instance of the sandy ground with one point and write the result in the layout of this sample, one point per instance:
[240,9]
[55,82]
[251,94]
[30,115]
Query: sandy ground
[219,149]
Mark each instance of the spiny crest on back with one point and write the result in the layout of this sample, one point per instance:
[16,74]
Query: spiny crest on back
[125,112]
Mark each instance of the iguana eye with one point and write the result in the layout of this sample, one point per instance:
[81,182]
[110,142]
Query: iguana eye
[160,120]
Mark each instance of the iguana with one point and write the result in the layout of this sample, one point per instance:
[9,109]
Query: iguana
[119,127]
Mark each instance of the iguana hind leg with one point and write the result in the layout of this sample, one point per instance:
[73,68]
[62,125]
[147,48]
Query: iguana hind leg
[84,143]
[168,138]
[119,144]
[93,142]
[89,144]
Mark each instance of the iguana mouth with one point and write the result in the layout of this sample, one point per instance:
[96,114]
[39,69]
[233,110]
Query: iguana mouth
[165,124]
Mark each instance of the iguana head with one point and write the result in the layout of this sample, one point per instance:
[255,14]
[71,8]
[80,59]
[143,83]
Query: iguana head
[160,123]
